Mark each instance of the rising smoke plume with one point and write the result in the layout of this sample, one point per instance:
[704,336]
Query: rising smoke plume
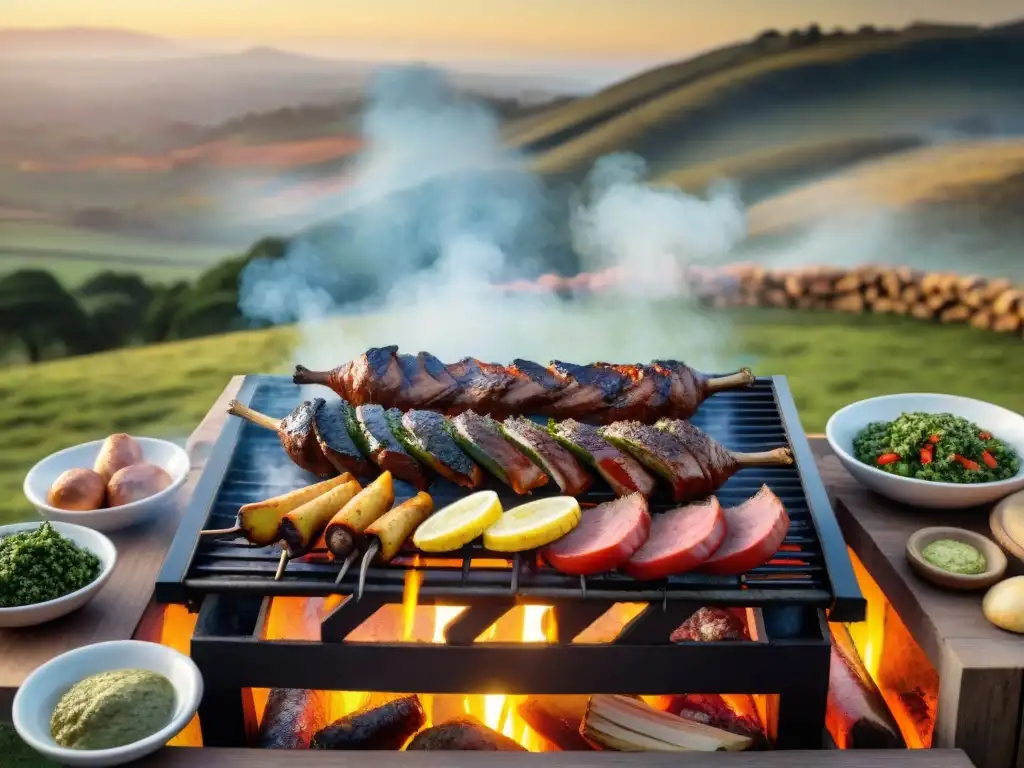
[439,211]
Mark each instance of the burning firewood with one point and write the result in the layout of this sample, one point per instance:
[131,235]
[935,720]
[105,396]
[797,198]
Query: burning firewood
[856,716]
[386,727]
[291,718]
[713,709]
[712,625]
[557,719]
[627,725]
[463,734]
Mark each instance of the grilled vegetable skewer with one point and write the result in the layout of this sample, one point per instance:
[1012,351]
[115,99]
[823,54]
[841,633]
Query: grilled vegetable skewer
[260,521]
[295,432]
[330,426]
[386,535]
[620,470]
[348,523]
[301,527]
[480,437]
[547,453]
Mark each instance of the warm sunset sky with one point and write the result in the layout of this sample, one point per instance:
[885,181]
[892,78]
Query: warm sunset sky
[558,28]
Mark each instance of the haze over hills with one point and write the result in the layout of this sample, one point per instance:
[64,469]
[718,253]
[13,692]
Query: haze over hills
[86,42]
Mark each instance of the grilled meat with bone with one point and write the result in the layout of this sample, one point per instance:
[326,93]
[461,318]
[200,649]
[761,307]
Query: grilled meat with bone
[597,393]
[297,433]
[693,463]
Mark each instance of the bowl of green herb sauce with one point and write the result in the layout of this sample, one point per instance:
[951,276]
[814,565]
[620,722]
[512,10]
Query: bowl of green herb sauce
[48,570]
[107,704]
[931,450]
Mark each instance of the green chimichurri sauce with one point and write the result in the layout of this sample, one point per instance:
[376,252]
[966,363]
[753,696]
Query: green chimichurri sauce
[955,557]
[939,447]
[113,709]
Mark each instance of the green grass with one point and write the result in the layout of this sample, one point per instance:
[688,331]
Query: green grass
[164,390]
[74,254]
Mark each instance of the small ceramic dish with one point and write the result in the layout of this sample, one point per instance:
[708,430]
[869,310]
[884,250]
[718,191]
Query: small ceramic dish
[38,696]
[40,613]
[847,423]
[160,452]
[994,558]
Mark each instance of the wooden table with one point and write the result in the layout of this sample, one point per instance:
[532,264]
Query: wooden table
[250,758]
[980,667]
[117,612]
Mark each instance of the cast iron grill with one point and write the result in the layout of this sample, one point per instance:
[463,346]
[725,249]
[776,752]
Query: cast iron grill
[248,465]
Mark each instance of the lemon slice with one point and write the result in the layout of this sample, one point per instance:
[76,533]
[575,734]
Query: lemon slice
[534,524]
[454,526]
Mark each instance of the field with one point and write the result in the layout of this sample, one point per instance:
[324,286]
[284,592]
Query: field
[74,254]
[164,390]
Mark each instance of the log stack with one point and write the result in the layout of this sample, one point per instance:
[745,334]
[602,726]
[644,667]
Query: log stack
[986,303]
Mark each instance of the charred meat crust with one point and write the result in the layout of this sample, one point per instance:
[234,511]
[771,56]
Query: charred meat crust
[598,392]
[337,445]
[548,454]
[298,437]
[430,429]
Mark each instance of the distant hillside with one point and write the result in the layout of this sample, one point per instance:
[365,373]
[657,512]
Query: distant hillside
[77,42]
[786,89]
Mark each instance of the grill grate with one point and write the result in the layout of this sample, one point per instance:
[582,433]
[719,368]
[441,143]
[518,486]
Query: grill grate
[248,465]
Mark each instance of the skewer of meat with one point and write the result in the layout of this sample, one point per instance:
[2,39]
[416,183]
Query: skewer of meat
[599,392]
[694,463]
[296,432]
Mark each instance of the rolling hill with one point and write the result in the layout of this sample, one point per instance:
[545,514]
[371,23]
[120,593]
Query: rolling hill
[778,91]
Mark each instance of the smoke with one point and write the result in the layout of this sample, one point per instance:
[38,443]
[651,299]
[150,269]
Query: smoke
[439,211]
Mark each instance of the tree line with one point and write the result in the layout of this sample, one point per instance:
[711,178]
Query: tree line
[41,319]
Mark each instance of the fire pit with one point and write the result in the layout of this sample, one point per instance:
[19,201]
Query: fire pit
[478,632]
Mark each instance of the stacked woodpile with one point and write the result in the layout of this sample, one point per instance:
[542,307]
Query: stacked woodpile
[987,303]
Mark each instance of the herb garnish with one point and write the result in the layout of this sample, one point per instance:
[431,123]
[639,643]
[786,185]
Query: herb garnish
[939,447]
[41,565]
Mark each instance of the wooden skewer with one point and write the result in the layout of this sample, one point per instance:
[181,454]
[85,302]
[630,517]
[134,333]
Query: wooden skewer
[281,565]
[346,564]
[365,566]
[222,531]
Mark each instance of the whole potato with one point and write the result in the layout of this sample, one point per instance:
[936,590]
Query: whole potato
[136,482]
[77,490]
[117,452]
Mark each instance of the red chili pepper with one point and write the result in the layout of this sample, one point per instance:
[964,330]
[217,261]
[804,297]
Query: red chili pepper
[926,454]
[933,439]
[888,458]
[985,435]
[971,466]
[989,459]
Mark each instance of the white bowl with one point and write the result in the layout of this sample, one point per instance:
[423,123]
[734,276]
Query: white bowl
[160,452]
[1005,425]
[38,696]
[95,542]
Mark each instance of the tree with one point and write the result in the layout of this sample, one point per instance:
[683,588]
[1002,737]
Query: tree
[813,34]
[36,310]
[116,303]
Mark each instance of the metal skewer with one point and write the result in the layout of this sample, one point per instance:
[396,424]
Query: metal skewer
[280,566]
[346,564]
[365,566]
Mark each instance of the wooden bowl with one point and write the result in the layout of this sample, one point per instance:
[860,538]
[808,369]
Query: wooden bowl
[1007,524]
[994,557]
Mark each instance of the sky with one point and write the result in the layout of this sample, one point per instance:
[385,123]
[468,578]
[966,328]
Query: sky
[584,29]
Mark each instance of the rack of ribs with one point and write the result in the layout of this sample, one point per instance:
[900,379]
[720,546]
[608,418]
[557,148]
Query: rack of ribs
[598,393]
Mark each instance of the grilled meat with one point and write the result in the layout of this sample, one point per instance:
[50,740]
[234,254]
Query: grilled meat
[543,450]
[386,727]
[296,433]
[463,734]
[598,393]
[689,459]
[426,435]
[332,435]
[481,438]
[620,470]
[369,428]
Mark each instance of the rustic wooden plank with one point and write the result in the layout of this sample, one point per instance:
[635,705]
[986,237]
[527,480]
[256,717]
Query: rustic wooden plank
[981,668]
[118,610]
[253,758]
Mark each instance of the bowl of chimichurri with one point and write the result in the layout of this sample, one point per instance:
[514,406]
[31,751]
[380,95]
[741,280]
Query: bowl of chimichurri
[931,450]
